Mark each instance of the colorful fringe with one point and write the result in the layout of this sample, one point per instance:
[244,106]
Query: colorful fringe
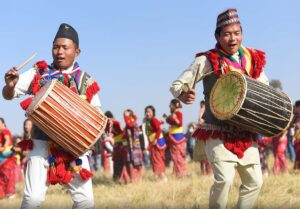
[78,81]
[236,143]
[253,61]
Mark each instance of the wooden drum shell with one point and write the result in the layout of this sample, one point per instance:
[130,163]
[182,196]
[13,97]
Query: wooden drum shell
[258,108]
[66,118]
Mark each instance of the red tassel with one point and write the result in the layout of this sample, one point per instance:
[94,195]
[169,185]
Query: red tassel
[62,155]
[25,144]
[35,84]
[66,80]
[41,65]
[67,178]
[51,176]
[85,174]
[25,103]
[213,57]
[74,89]
[61,170]
[91,91]
[258,62]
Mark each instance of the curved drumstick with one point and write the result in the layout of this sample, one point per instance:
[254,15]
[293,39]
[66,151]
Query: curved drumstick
[197,74]
[26,61]
[195,80]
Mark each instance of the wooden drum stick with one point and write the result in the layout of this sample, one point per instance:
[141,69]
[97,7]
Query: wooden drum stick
[26,61]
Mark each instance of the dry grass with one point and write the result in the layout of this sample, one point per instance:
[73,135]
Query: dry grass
[278,192]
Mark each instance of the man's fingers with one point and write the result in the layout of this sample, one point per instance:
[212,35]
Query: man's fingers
[192,91]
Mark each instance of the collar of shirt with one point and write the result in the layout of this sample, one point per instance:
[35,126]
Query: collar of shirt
[68,70]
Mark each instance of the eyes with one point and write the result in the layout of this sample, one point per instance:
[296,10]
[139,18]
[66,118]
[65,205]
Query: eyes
[65,47]
[228,34]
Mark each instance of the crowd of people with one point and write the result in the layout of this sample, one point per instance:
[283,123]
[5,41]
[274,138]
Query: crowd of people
[219,147]
[284,146]
[126,151]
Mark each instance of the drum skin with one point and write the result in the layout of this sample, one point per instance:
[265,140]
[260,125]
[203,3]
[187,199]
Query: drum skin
[66,118]
[250,105]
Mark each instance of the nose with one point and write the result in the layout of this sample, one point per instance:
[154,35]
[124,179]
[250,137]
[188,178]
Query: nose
[60,50]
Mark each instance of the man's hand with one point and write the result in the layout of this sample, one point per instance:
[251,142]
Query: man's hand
[188,97]
[11,77]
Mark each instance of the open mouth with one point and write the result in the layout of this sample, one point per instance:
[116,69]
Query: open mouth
[232,45]
[60,59]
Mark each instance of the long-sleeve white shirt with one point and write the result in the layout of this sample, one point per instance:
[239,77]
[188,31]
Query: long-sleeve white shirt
[186,79]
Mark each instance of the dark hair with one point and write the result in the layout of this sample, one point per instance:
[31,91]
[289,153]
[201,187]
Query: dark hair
[3,121]
[202,102]
[219,29]
[109,114]
[297,103]
[150,107]
[176,103]
[25,121]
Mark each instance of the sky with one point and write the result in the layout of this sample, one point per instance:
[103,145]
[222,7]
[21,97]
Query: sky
[135,49]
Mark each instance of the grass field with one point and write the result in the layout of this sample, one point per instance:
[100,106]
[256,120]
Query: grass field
[278,192]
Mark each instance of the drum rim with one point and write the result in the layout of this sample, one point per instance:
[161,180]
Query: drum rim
[237,107]
[34,105]
[94,142]
[98,136]
[292,115]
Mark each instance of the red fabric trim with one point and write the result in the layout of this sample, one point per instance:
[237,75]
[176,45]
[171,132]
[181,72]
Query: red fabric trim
[26,103]
[232,141]
[91,91]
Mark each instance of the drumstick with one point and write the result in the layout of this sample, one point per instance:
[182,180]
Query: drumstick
[26,61]
[195,80]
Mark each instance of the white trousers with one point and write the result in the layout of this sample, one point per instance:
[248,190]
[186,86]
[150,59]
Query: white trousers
[224,172]
[36,176]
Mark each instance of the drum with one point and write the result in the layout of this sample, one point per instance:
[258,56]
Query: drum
[250,105]
[66,118]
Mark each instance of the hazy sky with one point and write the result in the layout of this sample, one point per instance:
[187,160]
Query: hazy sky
[135,49]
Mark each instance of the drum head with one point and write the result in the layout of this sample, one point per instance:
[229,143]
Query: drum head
[228,95]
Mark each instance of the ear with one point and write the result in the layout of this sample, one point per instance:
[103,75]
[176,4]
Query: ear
[77,52]
[217,37]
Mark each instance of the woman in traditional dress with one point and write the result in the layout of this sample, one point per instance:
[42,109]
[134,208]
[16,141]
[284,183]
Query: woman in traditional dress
[157,143]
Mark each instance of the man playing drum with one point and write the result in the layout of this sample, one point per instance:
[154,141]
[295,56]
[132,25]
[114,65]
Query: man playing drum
[227,148]
[65,49]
